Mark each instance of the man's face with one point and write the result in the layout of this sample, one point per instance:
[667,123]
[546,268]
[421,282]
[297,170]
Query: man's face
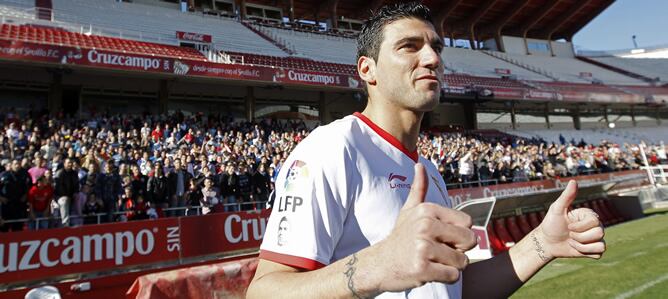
[409,70]
[68,164]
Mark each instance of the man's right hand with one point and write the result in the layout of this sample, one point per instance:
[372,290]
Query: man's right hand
[427,243]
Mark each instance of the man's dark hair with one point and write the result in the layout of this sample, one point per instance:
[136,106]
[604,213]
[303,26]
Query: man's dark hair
[371,36]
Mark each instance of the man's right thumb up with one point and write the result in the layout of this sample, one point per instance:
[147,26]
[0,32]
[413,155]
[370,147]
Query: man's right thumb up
[418,188]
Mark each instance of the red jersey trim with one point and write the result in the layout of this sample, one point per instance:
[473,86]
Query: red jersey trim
[387,136]
[291,260]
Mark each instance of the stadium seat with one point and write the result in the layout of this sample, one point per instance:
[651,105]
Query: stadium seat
[523,222]
[514,229]
[607,204]
[497,244]
[502,233]
[603,214]
[542,215]
[47,35]
[534,219]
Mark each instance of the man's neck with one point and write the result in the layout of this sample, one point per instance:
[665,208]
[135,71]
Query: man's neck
[403,124]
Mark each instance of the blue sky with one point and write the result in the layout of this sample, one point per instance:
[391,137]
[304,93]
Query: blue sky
[612,29]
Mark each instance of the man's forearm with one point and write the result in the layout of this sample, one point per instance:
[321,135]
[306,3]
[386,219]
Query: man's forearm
[351,277]
[501,276]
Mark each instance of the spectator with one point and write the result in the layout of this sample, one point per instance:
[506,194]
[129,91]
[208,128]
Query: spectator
[109,191]
[14,184]
[157,188]
[178,179]
[261,184]
[193,196]
[67,184]
[39,198]
[245,187]
[229,185]
[38,170]
[210,196]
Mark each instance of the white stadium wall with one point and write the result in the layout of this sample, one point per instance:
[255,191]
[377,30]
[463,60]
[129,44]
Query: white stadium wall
[563,49]
[514,45]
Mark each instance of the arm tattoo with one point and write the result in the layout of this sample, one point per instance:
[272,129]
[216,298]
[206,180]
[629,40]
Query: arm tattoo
[539,248]
[350,271]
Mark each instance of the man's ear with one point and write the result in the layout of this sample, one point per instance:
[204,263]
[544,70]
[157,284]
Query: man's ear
[366,68]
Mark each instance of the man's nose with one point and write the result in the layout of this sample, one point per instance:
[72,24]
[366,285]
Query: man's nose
[430,58]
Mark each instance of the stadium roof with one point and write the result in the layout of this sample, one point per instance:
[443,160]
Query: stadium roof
[541,19]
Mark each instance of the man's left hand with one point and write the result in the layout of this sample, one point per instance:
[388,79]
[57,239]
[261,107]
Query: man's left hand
[575,233]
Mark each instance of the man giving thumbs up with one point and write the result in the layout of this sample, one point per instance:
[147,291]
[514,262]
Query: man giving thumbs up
[359,214]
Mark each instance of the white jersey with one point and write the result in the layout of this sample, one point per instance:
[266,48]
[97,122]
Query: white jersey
[340,191]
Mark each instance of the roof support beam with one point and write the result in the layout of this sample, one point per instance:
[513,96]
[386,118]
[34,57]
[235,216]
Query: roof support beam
[560,20]
[533,20]
[503,20]
[443,14]
[568,35]
[475,17]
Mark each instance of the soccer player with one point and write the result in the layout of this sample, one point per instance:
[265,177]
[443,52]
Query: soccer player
[358,214]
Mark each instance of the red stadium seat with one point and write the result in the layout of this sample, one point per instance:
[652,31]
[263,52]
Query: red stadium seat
[514,229]
[502,233]
[497,244]
[534,219]
[603,214]
[523,222]
[612,211]
[48,35]
[541,215]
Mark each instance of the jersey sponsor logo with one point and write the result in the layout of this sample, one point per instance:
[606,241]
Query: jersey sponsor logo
[397,181]
[296,174]
[283,230]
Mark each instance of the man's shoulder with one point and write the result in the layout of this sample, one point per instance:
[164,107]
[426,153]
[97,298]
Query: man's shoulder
[329,139]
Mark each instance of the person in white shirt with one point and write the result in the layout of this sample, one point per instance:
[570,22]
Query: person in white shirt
[357,213]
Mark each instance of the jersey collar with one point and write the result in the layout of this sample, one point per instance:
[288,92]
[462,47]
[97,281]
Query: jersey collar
[387,136]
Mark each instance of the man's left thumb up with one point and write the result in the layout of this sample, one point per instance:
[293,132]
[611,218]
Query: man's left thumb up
[560,206]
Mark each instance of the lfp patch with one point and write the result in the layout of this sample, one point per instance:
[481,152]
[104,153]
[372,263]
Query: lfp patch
[297,174]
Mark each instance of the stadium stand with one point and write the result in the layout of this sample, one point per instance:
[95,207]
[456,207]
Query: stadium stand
[570,69]
[648,67]
[62,37]
[477,63]
[328,48]
[160,23]
[594,136]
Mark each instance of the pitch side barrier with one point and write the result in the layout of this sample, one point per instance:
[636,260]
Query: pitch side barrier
[30,258]
[539,194]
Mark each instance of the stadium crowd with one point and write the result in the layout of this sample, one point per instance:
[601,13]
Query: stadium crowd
[68,172]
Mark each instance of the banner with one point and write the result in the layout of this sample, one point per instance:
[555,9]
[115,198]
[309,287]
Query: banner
[167,65]
[639,177]
[33,255]
[231,232]
[194,37]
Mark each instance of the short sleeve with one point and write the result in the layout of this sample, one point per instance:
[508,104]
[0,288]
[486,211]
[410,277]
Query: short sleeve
[309,209]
